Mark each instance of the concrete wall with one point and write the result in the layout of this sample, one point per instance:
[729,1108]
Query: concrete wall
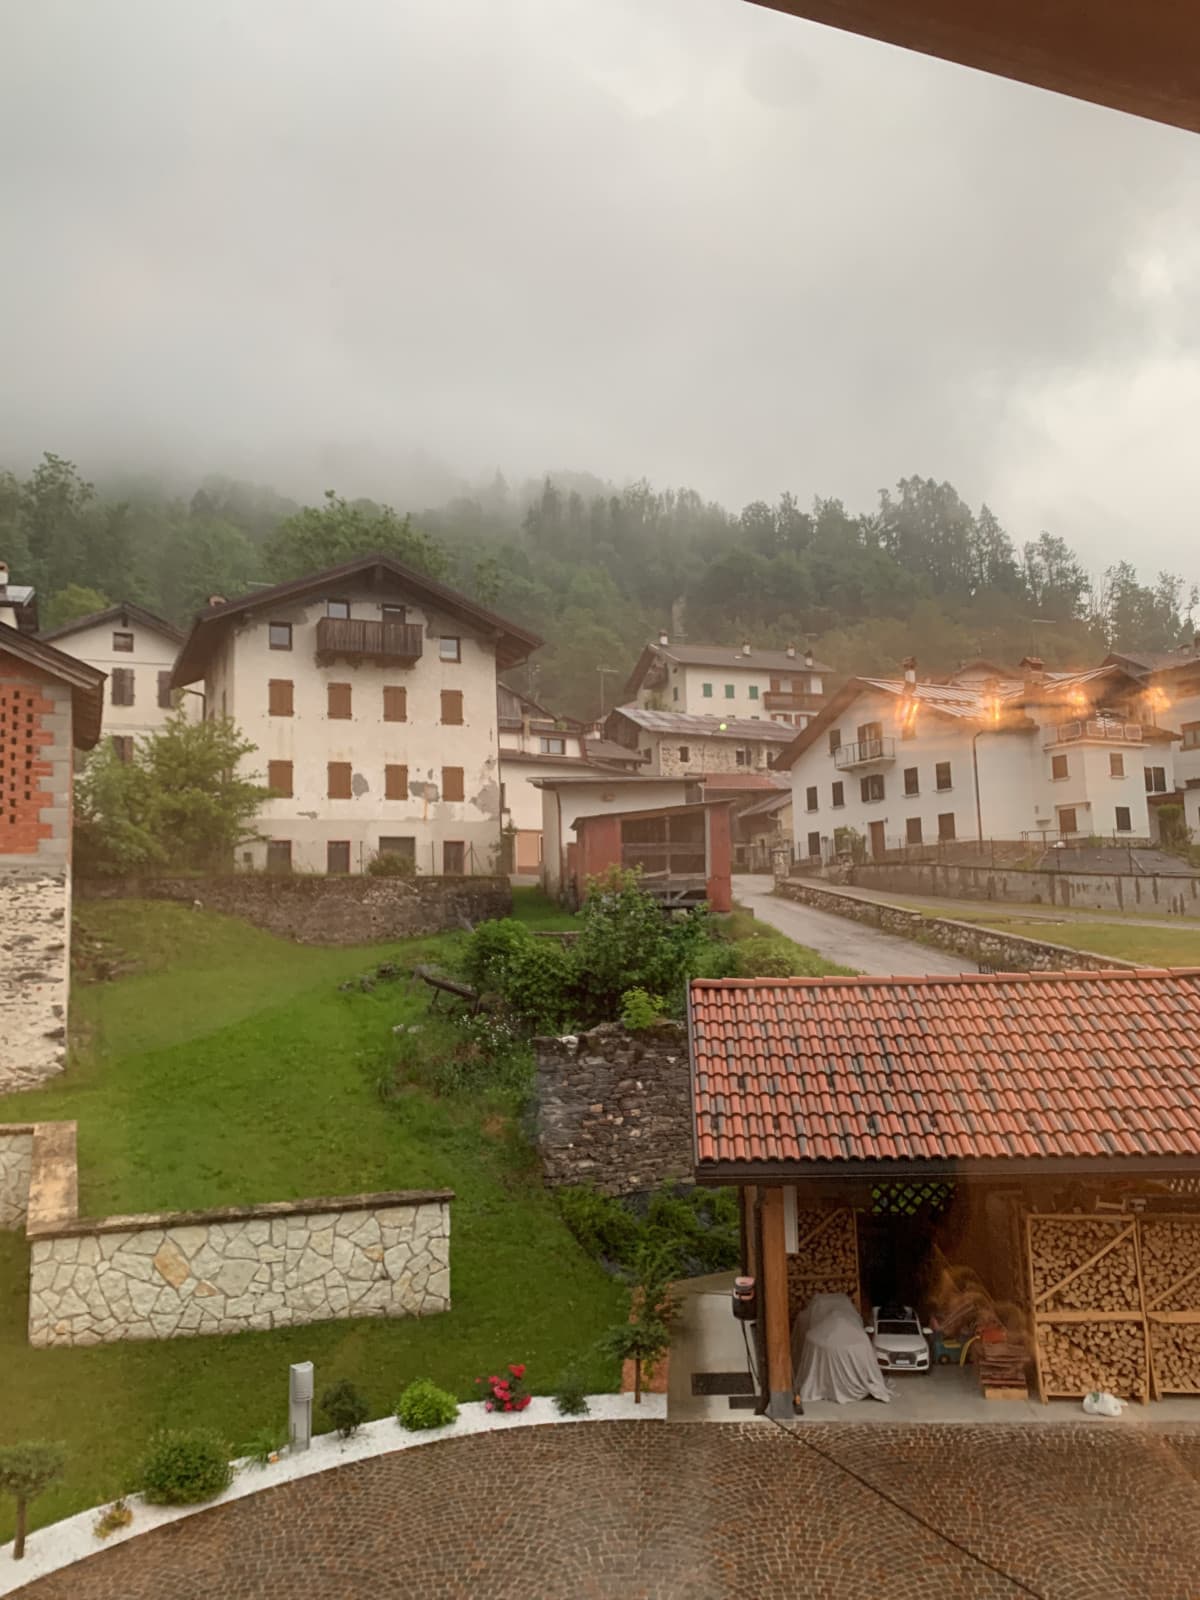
[152,653]
[319,910]
[1101,891]
[614,1109]
[16,1161]
[706,755]
[1006,952]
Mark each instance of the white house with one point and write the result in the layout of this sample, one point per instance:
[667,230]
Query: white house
[369,691]
[1172,680]
[677,744]
[1038,757]
[786,686]
[137,650]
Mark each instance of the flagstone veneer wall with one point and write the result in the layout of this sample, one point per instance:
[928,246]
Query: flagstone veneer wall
[16,1158]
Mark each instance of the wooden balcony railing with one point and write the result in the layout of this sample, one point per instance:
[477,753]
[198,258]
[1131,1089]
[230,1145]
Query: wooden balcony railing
[359,640]
[786,700]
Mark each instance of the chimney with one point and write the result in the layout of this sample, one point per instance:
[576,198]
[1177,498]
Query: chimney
[791,651]
[745,647]
[809,658]
[664,637]
[910,670]
[1033,672]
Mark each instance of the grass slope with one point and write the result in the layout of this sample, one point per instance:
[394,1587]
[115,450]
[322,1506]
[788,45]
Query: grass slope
[229,1069]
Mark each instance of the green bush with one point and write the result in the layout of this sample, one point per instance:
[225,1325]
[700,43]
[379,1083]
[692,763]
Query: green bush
[540,986]
[640,1010]
[603,1226]
[696,1230]
[260,1447]
[389,864]
[346,1408]
[490,951]
[424,1405]
[570,1399]
[185,1467]
[764,957]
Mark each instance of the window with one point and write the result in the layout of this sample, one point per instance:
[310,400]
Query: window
[338,701]
[1156,778]
[122,686]
[338,786]
[810,798]
[454,854]
[838,793]
[835,741]
[730,691]
[279,637]
[452,706]
[685,752]
[912,780]
[123,641]
[870,730]
[675,692]
[706,690]
[395,783]
[279,697]
[1067,822]
[1116,764]
[449,648]
[912,830]
[395,703]
[123,747]
[393,613]
[946,825]
[341,610]
[337,855]
[401,845]
[814,844]
[558,747]
[279,779]
[279,855]
[753,691]
[1060,767]
[941,776]
[871,787]
[1191,735]
[1124,820]
[741,758]
[452,783]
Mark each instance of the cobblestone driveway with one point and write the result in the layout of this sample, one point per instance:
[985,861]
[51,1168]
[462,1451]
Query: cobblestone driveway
[630,1511]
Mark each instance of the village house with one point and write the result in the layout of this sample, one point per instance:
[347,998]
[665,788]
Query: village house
[137,651]
[678,744]
[1039,757]
[1172,681]
[729,681]
[370,693]
[569,796]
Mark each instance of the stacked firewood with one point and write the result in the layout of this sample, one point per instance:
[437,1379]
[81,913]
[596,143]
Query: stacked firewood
[1175,1350]
[1062,1245]
[1077,1357]
[1002,1366]
[1170,1255]
[826,1262]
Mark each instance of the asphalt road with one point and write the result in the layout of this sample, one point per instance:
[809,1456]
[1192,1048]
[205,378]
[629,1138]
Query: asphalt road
[851,944]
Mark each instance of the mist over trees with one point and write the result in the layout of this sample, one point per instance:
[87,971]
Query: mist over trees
[598,570]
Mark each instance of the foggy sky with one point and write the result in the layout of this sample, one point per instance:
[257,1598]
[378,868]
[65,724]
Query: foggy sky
[380,245]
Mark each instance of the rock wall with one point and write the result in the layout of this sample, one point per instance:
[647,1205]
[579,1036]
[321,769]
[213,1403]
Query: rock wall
[16,1157]
[614,1108]
[34,969]
[1006,952]
[1176,895]
[325,910]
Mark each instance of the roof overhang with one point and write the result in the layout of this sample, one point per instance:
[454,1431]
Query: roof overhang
[86,682]
[124,613]
[719,1174]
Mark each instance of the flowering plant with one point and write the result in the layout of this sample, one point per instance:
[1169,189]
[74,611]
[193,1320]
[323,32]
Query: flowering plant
[507,1393]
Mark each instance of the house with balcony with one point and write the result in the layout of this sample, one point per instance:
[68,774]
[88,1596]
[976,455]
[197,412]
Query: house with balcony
[729,681]
[369,692]
[1046,756]
[1172,682]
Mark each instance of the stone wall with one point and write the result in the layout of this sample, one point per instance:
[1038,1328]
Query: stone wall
[1006,952]
[16,1155]
[169,1275]
[614,1109]
[326,910]
[1175,895]
[34,970]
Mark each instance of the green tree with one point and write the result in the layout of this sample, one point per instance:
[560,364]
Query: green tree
[71,603]
[26,1470]
[339,530]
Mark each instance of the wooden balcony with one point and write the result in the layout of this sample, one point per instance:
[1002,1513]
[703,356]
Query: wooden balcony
[354,639]
[786,700]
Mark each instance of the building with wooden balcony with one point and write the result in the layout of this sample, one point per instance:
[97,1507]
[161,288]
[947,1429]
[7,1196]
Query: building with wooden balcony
[370,694]
[745,680]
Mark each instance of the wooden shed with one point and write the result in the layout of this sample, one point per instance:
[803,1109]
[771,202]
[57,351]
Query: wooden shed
[683,852]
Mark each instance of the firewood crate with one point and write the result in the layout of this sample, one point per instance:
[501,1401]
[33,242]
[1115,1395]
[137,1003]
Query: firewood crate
[1089,1316]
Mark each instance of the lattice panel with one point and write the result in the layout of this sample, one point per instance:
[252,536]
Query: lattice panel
[911,1199]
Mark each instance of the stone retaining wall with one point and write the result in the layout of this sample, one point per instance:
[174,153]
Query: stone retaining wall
[351,909]
[1006,952]
[168,1275]
[614,1108]
[1176,895]
[16,1158]
[34,966]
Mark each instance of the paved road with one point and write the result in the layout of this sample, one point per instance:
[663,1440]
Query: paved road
[694,1511]
[851,944]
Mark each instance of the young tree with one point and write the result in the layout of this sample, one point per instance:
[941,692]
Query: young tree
[339,530]
[26,1470]
[75,601]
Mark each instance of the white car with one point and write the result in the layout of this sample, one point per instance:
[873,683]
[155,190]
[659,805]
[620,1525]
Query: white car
[898,1339]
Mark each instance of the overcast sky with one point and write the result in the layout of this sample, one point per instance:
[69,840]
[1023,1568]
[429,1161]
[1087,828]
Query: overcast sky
[357,242]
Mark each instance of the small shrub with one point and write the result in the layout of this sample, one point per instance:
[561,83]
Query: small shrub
[507,1393]
[424,1405]
[118,1516]
[185,1467]
[570,1400]
[388,864]
[603,1226]
[264,1446]
[346,1408]
[763,957]
[640,1010]
[25,1471]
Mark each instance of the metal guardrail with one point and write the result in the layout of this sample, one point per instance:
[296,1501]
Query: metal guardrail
[862,752]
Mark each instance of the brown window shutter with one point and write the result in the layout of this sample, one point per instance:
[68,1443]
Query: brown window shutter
[339,700]
[452,783]
[452,705]
[279,697]
[122,686]
[279,778]
[395,780]
[395,703]
[166,699]
[339,780]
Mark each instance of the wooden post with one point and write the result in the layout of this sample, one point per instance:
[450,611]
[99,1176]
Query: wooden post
[774,1302]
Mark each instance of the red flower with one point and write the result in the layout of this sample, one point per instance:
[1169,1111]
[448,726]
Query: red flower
[518,1371]
[524,1401]
[493,1379]
[487,1405]
[478,1380]
[508,1405]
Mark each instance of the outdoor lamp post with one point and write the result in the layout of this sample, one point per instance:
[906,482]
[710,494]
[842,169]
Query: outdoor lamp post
[300,1399]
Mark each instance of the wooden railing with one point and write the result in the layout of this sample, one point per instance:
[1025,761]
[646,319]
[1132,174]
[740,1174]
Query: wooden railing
[381,641]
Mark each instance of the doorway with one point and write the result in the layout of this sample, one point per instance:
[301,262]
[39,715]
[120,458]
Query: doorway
[878,840]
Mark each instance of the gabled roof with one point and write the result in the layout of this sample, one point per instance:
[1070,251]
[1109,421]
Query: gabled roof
[124,613]
[86,683]
[683,723]
[513,644]
[765,808]
[608,750]
[829,1074]
[1147,662]
[721,655]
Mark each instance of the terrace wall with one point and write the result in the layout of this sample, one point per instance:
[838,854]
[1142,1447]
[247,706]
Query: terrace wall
[1176,895]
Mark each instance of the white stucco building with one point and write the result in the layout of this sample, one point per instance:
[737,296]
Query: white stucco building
[1172,680]
[137,650]
[369,691]
[1042,757]
[786,686]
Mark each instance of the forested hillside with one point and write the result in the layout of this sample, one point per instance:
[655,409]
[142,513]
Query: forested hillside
[598,570]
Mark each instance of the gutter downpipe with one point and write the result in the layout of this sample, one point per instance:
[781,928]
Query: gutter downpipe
[975,770]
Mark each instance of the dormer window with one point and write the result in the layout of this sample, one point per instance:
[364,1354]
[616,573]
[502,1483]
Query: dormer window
[339,610]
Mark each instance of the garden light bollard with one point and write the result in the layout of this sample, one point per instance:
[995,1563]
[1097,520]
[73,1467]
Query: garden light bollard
[300,1398]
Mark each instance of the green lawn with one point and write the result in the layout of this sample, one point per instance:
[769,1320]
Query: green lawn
[229,1069]
[1150,947]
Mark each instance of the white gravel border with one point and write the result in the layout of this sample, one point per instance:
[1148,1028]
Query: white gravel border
[61,1544]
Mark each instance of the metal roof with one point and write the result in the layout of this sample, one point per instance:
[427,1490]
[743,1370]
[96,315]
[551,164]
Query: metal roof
[683,722]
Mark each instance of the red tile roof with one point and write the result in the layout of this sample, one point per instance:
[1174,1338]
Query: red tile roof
[1079,1065]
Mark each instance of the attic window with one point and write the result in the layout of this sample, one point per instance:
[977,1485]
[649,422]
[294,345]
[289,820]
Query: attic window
[449,648]
[124,642]
[338,609]
[279,635]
